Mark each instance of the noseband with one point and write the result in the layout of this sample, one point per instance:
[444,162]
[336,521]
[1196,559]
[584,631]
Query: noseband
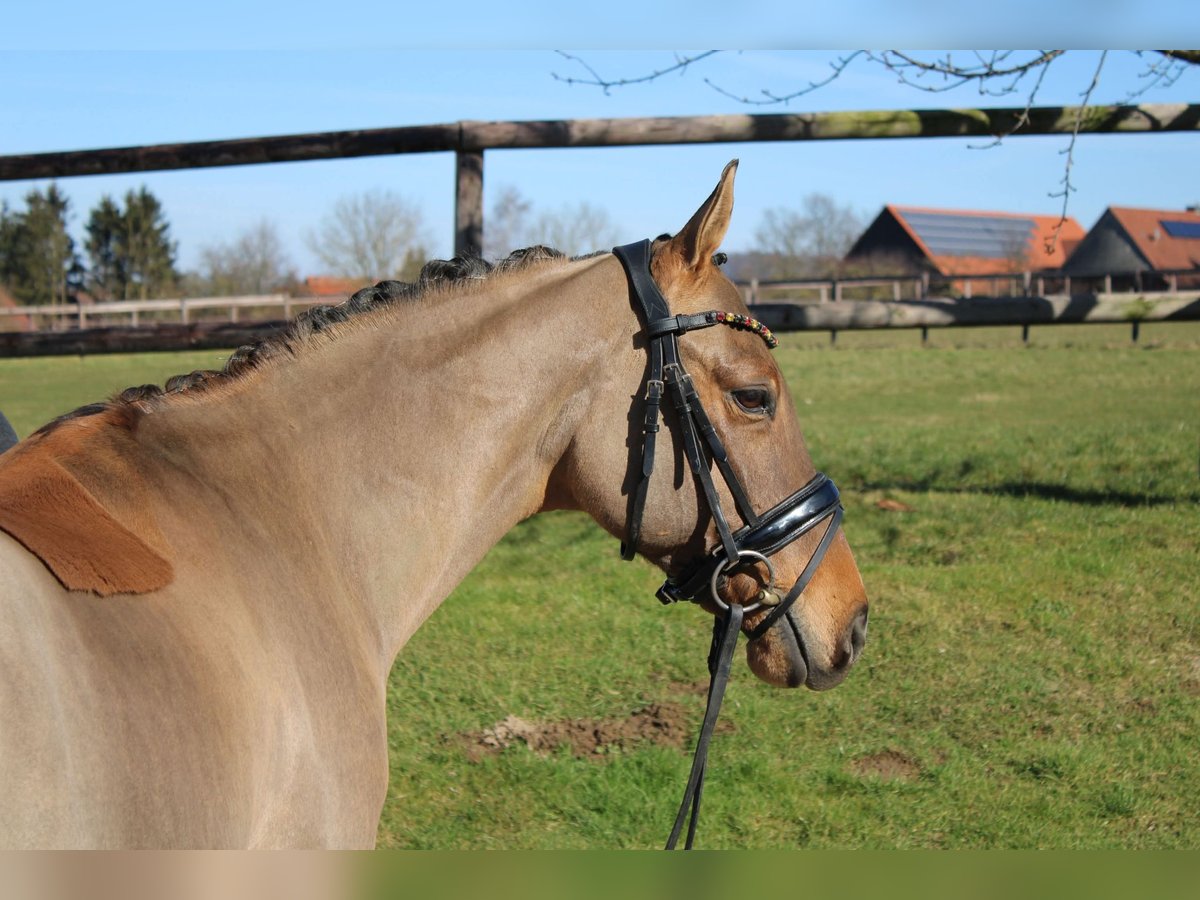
[752,545]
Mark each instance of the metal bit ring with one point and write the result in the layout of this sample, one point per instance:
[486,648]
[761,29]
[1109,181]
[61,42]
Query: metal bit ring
[732,564]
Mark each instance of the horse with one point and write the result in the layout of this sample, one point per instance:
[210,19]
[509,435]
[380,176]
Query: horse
[203,586]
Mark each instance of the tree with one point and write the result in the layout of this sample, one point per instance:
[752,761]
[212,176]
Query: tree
[130,249]
[105,275]
[808,242]
[38,261]
[572,228]
[252,263]
[10,242]
[373,235]
[507,223]
[145,251]
[577,229]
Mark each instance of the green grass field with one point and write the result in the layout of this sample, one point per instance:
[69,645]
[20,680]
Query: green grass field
[1032,677]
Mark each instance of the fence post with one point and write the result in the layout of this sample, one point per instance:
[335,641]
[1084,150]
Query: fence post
[82,317]
[1108,284]
[967,289]
[896,291]
[468,202]
[753,291]
[1067,285]
[1136,330]
[837,290]
[183,310]
[134,317]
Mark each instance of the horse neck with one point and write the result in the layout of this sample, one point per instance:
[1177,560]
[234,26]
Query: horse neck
[404,448]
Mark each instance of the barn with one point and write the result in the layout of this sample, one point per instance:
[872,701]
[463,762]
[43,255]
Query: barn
[960,247]
[1140,249]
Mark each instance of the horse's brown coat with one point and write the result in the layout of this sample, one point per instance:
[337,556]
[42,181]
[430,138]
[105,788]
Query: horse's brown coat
[74,498]
[289,527]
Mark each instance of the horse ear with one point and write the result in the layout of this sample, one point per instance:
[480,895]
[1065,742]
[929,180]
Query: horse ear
[103,541]
[703,233]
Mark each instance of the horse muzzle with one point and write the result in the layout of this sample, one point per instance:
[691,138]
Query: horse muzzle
[816,502]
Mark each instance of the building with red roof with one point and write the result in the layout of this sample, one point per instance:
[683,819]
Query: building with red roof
[956,244]
[330,286]
[1142,248]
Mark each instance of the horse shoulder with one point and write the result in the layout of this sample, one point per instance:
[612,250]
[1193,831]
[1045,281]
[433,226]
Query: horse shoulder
[75,497]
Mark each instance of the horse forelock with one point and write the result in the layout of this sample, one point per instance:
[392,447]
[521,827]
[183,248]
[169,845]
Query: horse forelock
[438,277]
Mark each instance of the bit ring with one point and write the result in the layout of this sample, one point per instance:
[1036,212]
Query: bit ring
[732,564]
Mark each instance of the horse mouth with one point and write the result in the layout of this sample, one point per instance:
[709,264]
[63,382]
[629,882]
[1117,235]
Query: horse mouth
[780,656]
[797,656]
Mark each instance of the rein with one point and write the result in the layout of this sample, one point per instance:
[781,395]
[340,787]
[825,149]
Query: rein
[760,537]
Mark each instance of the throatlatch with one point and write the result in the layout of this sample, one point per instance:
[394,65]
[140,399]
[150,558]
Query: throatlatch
[759,538]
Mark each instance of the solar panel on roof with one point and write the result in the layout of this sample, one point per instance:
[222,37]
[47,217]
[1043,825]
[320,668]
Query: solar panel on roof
[950,234]
[1181,229]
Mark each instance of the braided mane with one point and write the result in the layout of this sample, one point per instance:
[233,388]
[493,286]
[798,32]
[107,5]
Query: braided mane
[436,276]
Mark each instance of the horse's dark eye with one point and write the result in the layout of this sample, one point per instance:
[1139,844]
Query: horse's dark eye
[753,400]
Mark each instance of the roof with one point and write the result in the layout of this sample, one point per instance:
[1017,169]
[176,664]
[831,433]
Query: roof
[1167,238]
[975,242]
[329,286]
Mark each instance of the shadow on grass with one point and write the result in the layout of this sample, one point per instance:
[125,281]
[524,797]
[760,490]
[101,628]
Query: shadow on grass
[1041,490]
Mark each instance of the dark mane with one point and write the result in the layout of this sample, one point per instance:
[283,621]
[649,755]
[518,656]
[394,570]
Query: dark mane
[436,275]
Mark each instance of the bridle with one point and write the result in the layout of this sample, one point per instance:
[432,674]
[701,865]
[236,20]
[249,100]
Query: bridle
[752,545]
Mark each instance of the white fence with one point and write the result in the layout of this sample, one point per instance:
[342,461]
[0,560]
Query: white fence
[77,315]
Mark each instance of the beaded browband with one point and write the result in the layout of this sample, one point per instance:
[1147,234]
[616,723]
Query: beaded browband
[682,323]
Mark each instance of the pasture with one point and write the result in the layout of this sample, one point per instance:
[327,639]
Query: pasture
[1026,520]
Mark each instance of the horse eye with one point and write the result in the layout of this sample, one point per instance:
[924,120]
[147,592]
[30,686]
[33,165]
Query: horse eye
[753,400]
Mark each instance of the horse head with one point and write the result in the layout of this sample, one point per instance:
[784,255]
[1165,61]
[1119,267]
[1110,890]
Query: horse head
[738,514]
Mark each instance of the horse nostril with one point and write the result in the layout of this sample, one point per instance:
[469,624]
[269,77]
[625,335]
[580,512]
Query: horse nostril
[858,634]
[852,642]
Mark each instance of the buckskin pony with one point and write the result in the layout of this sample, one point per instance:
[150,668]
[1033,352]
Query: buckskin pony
[203,587]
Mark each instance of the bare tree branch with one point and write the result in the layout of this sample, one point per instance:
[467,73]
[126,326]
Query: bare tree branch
[597,80]
[1161,72]
[1069,151]
[1023,119]
[995,73]
[986,72]
[770,98]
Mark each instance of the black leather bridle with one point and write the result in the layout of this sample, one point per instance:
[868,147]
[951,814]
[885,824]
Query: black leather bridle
[752,545]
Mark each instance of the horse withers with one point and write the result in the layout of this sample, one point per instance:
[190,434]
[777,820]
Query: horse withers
[203,587]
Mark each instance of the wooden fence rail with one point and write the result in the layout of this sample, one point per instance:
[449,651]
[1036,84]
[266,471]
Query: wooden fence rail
[844,315]
[755,292]
[470,139]
[861,315]
[77,314]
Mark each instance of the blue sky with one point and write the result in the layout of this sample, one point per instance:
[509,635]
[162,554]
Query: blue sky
[76,97]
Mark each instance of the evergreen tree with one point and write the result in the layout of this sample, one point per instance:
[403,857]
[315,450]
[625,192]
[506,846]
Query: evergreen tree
[106,278]
[38,261]
[144,249]
[9,246]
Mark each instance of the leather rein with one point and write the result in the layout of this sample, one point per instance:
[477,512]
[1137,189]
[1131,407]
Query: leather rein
[752,545]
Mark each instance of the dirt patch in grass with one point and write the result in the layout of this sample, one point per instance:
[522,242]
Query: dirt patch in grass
[886,766]
[661,724]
